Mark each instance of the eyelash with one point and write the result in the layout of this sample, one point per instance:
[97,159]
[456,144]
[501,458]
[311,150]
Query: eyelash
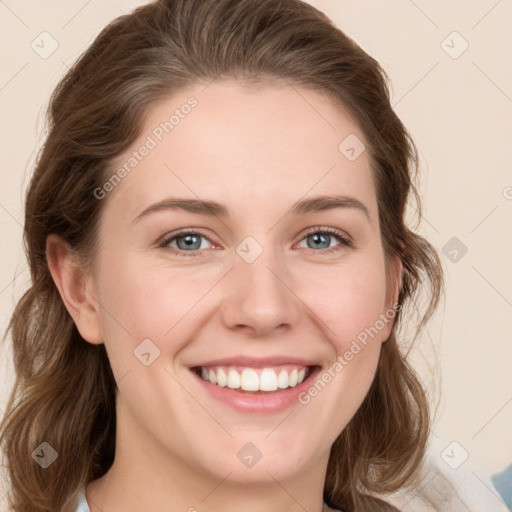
[345,241]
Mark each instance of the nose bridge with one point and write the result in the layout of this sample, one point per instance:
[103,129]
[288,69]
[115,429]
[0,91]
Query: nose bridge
[257,295]
[259,270]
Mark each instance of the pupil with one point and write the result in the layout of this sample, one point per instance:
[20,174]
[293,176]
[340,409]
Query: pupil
[189,240]
[318,237]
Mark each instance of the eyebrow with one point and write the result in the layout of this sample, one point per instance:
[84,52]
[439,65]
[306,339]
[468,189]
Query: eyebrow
[212,208]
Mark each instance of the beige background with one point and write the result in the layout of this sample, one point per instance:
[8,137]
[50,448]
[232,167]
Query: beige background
[458,109]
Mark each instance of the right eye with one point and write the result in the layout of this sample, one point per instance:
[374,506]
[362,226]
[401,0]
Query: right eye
[186,242]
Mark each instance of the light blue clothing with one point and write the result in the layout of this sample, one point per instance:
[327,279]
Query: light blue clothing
[503,483]
[82,503]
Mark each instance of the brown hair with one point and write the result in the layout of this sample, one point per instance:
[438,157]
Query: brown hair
[65,391]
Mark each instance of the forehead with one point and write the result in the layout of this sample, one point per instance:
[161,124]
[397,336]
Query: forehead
[240,143]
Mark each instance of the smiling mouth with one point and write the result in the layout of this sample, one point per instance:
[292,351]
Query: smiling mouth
[255,380]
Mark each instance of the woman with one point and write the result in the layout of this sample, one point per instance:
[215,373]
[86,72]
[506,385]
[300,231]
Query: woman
[188,342]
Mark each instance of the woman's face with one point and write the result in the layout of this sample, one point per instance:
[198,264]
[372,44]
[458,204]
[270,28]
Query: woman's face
[276,283]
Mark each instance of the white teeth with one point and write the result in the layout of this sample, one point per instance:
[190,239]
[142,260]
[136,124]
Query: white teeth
[212,377]
[268,380]
[251,379]
[233,379]
[282,380]
[222,379]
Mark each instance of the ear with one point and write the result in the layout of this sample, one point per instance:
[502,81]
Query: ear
[76,288]
[394,284]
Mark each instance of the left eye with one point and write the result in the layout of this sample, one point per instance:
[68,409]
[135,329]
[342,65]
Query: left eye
[320,237]
[191,241]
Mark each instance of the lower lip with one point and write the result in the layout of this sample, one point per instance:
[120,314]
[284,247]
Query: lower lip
[261,402]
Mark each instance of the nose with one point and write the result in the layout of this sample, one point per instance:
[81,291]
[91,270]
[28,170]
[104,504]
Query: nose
[259,297]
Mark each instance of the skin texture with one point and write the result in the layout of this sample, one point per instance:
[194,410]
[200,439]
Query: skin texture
[257,149]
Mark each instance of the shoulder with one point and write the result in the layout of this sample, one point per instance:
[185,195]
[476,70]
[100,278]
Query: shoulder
[82,503]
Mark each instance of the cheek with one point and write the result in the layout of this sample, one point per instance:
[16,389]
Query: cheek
[155,302]
[349,300]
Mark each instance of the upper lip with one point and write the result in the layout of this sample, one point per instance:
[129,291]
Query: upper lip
[257,362]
